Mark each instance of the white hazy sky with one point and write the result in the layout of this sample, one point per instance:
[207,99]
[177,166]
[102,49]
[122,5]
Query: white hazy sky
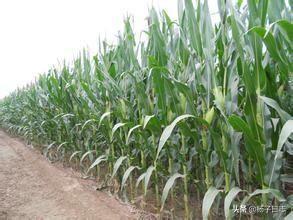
[37,34]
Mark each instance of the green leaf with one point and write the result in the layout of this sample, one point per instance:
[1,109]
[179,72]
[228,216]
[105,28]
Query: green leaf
[85,155]
[126,175]
[168,130]
[147,119]
[74,154]
[86,123]
[208,201]
[286,131]
[139,179]
[89,92]
[193,28]
[67,115]
[48,148]
[253,147]
[117,126]
[117,165]
[130,131]
[286,28]
[240,125]
[97,162]
[229,199]
[169,184]
[273,104]
[106,114]
[148,174]
[61,145]
[276,193]
[239,3]
[271,44]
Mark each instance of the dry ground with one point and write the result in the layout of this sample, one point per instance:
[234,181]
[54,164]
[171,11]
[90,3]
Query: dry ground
[33,188]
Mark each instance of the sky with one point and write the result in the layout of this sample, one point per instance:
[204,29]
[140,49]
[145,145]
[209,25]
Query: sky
[38,34]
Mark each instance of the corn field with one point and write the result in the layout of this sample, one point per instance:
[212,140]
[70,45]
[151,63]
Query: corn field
[196,119]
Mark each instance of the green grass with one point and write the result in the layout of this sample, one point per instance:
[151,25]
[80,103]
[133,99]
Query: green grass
[207,106]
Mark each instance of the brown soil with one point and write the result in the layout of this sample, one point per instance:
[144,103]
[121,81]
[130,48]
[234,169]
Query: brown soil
[33,188]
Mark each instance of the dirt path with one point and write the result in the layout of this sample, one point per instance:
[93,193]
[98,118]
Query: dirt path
[33,188]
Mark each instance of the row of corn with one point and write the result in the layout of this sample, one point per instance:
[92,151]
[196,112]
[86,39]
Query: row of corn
[196,117]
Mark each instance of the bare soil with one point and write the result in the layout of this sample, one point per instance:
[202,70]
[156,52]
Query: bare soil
[33,188]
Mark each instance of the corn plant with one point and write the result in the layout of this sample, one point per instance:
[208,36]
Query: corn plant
[205,105]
